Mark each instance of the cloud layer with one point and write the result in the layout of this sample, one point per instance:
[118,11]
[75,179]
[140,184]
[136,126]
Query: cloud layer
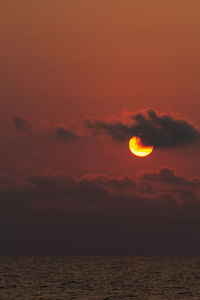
[156,213]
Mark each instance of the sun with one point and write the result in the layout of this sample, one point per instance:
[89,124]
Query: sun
[136,147]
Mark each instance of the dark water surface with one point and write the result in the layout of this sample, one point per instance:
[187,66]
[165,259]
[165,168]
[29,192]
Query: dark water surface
[99,278]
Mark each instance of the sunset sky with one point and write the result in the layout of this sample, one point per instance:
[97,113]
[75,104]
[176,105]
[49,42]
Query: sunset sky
[78,80]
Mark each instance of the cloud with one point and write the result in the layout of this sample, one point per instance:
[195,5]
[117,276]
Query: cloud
[157,213]
[64,134]
[102,188]
[158,130]
[168,176]
[91,188]
[22,124]
[45,129]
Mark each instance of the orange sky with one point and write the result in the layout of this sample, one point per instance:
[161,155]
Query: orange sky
[64,60]
[98,57]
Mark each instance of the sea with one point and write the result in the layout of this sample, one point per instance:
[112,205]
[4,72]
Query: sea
[99,278]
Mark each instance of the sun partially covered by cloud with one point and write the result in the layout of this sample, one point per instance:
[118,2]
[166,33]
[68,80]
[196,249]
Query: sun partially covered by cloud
[160,130]
[154,129]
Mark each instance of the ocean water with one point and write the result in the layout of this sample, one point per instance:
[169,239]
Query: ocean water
[92,278]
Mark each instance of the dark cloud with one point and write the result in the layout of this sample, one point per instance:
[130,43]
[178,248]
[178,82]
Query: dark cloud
[22,124]
[88,189]
[168,176]
[99,188]
[64,134]
[158,130]
[157,213]
[102,189]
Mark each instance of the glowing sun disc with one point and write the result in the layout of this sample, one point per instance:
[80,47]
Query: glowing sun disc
[136,147]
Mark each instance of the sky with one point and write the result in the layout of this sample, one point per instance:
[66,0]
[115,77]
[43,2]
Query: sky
[78,80]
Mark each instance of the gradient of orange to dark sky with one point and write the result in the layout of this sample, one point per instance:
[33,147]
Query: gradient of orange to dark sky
[70,188]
